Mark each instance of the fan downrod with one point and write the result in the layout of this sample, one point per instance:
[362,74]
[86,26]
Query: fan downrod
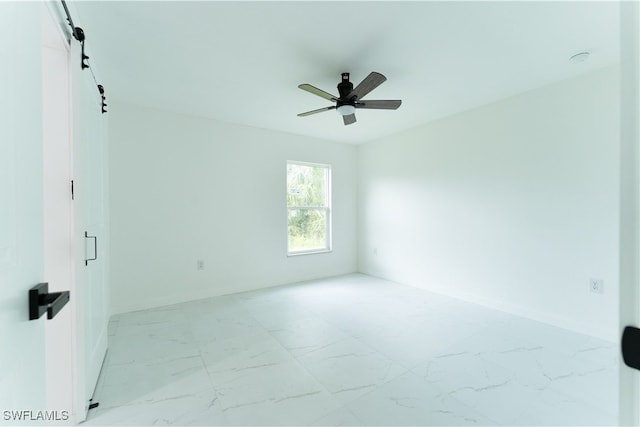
[345,87]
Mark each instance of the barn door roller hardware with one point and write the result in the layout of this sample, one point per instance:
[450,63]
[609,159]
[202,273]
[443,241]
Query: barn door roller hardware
[41,301]
[631,347]
[78,34]
[104,98]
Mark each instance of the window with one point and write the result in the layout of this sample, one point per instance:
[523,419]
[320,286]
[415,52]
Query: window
[308,208]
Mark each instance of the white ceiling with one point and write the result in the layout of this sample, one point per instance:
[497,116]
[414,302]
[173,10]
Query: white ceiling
[241,62]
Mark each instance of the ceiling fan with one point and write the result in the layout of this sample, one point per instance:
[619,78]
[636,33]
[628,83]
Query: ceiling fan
[351,98]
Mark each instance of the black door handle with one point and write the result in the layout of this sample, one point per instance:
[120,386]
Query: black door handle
[95,248]
[631,347]
[42,301]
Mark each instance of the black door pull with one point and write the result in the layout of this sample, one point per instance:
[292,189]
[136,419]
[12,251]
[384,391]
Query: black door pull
[95,248]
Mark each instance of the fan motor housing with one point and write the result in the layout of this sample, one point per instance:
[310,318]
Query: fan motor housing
[341,102]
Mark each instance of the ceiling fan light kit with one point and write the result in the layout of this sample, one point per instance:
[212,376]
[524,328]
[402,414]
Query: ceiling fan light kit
[351,98]
[346,109]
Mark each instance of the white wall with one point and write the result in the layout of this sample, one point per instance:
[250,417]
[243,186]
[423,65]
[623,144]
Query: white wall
[22,342]
[185,188]
[513,205]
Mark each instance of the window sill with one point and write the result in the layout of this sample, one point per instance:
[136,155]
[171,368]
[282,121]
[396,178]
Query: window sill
[309,252]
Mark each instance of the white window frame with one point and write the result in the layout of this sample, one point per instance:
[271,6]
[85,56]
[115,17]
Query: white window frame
[327,209]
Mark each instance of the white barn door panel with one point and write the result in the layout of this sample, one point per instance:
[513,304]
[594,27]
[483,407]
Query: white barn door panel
[90,227]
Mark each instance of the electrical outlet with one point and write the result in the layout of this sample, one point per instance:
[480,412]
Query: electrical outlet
[596,286]
[200,264]
[375,251]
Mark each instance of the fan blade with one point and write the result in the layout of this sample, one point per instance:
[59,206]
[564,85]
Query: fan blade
[319,110]
[380,105]
[369,83]
[314,90]
[349,119]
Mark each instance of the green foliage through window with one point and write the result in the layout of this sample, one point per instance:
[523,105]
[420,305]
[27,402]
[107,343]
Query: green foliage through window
[308,197]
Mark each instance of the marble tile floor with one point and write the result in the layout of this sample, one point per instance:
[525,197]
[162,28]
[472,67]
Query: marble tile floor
[351,350]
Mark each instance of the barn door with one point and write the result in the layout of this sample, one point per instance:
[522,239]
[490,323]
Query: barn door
[90,228]
[630,214]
